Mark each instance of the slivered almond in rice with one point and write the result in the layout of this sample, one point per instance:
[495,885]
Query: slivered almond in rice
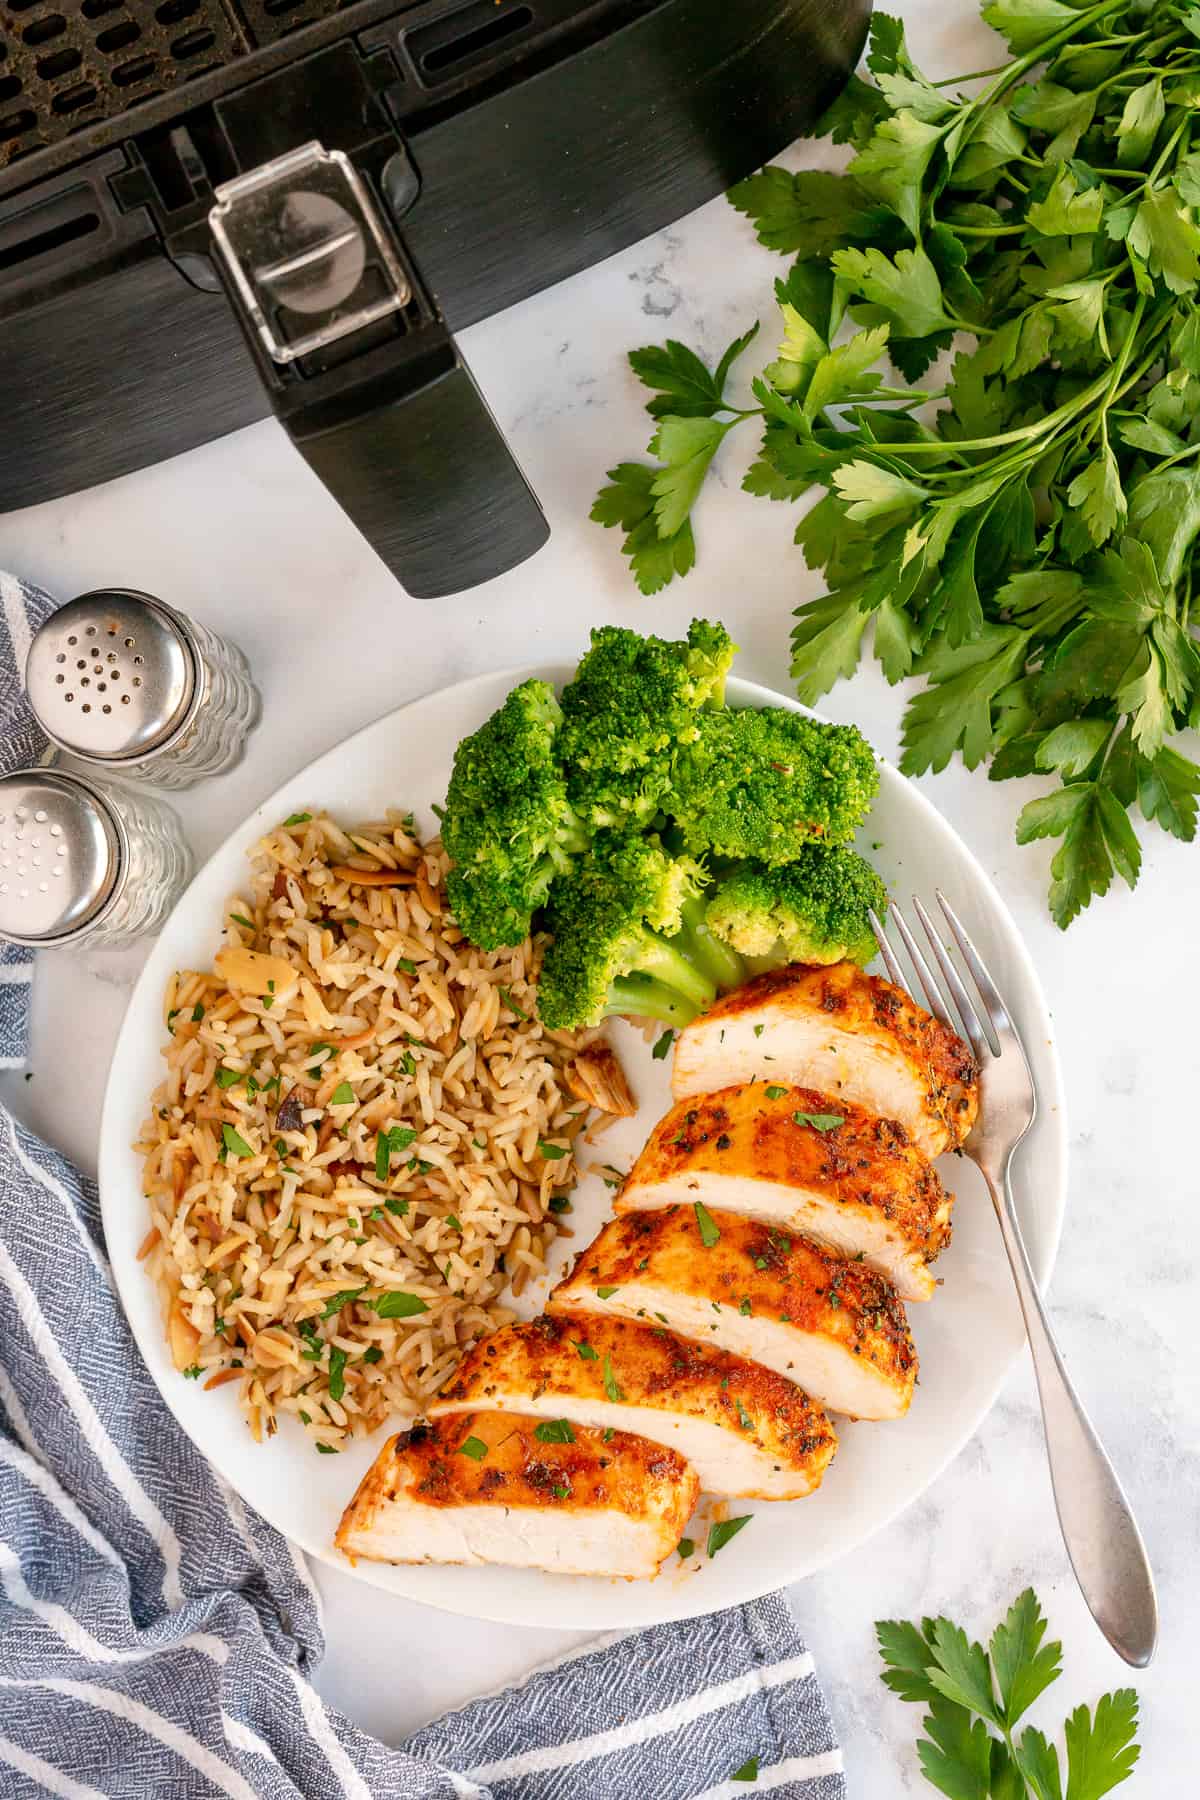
[321,1271]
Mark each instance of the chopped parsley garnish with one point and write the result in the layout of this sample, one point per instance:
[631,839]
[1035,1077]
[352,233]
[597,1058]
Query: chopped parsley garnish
[559,1203]
[561,1493]
[776,1093]
[227,1078]
[399,1305]
[479,1143]
[473,1447]
[399,1207]
[586,1353]
[553,1152]
[758,1030]
[709,1233]
[818,1121]
[193,1373]
[326,1450]
[234,1143]
[685,1548]
[607,1435]
[744,1419]
[663,1045]
[408,1063]
[744,1308]
[406,963]
[605,1293]
[280,1147]
[372,1354]
[342,1095]
[453,1222]
[760,1262]
[611,1385]
[383,1156]
[720,1533]
[335,1302]
[554,1431]
[337,1374]
[298,819]
[241,919]
[512,1005]
[376,1212]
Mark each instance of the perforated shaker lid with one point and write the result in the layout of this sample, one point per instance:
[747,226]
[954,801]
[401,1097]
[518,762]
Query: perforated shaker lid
[60,855]
[110,676]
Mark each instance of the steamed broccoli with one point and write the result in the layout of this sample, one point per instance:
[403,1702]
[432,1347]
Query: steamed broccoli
[762,783]
[632,702]
[620,941]
[508,824]
[813,910]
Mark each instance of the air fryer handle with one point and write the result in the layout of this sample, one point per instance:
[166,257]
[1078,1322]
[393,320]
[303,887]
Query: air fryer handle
[415,458]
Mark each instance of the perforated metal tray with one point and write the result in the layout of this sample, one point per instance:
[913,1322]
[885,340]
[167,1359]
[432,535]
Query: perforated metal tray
[68,64]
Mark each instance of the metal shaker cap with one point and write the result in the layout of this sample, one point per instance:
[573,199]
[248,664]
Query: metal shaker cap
[60,855]
[111,676]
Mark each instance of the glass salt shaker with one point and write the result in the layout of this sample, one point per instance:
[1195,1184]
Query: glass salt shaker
[124,682]
[85,859]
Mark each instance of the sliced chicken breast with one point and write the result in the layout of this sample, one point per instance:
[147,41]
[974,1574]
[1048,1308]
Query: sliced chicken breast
[835,1327]
[804,1162]
[486,1488]
[745,1430]
[844,1033]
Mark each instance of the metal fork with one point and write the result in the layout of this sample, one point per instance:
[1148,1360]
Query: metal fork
[1098,1526]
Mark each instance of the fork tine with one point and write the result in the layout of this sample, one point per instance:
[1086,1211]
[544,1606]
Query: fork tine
[979,1039]
[933,994]
[994,1006]
[895,972]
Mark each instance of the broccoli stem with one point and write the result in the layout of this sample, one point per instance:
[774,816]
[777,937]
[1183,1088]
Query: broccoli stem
[661,960]
[702,947]
[644,998]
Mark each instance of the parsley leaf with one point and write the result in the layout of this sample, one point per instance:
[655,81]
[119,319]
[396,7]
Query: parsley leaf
[720,1533]
[611,1385]
[971,1694]
[709,1233]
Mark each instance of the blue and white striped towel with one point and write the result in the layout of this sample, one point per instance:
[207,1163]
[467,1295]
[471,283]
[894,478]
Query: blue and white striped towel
[157,1637]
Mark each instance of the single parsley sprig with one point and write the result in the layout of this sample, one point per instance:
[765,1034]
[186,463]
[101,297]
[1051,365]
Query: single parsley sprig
[976,1698]
[1029,549]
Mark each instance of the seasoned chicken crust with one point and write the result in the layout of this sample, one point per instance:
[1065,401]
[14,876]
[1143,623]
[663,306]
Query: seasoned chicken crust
[834,1326]
[842,1032]
[592,1505]
[859,1186]
[747,1431]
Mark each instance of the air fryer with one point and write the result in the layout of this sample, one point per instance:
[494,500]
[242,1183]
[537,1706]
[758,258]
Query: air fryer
[215,209]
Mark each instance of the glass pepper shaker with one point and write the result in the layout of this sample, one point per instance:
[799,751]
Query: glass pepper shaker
[84,859]
[124,682]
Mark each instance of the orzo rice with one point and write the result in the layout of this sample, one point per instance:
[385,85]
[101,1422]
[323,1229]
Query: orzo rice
[361,1130]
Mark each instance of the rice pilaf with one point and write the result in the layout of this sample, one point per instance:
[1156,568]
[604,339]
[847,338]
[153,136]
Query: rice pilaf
[361,1132]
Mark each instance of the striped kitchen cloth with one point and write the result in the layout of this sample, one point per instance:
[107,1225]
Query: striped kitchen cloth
[22,743]
[157,1638]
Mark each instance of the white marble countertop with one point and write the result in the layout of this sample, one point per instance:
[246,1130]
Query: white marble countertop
[241,535]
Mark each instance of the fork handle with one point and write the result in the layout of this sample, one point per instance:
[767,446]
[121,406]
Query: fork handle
[1098,1526]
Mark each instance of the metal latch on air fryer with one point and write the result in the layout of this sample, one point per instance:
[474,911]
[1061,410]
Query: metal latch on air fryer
[308,253]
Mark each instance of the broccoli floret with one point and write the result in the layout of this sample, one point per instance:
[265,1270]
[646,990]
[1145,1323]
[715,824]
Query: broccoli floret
[813,910]
[508,825]
[762,784]
[633,700]
[620,944]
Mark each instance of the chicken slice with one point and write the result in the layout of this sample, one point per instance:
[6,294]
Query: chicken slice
[835,1327]
[844,1033]
[805,1163]
[745,1430]
[485,1488]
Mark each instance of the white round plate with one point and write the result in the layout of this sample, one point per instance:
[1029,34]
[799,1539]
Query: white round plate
[967,1337]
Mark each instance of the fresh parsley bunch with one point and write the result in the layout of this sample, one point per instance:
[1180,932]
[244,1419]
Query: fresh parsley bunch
[976,1697]
[1029,546]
